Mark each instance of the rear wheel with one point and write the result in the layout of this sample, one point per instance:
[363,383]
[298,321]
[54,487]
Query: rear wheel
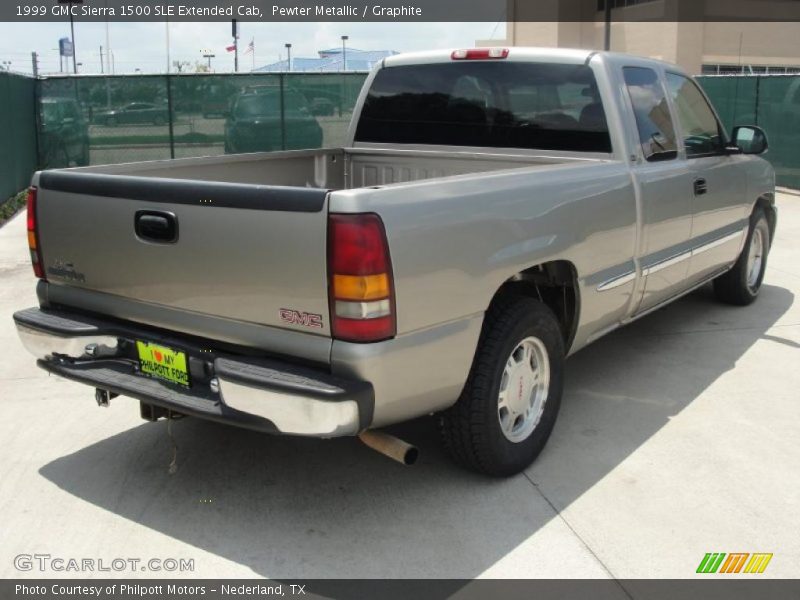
[509,405]
[84,158]
[740,285]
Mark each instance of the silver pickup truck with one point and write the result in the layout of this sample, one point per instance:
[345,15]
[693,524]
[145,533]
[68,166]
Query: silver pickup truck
[493,211]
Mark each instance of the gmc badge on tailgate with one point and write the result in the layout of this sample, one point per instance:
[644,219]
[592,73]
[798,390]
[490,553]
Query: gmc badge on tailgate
[297,317]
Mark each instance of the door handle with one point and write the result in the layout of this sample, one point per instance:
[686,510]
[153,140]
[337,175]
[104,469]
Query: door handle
[156,226]
[700,187]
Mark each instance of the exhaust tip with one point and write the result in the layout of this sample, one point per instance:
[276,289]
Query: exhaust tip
[390,446]
[412,454]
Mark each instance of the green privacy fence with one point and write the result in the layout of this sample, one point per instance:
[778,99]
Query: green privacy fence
[116,119]
[101,120]
[769,101]
[17,133]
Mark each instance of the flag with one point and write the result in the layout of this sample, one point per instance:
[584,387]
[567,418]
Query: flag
[251,47]
[230,48]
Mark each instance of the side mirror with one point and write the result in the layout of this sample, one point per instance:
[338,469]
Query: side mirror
[750,139]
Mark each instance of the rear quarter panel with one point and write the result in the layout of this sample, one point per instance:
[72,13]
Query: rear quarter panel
[455,241]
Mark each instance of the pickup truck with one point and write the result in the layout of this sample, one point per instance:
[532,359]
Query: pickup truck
[493,211]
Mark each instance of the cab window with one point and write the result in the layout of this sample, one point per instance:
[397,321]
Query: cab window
[702,133]
[651,110]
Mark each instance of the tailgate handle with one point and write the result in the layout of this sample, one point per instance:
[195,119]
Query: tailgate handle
[156,226]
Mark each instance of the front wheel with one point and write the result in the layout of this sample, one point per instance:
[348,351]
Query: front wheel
[509,405]
[740,285]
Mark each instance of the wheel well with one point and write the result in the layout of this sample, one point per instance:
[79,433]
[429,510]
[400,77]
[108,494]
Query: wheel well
[555,285]
[766,204]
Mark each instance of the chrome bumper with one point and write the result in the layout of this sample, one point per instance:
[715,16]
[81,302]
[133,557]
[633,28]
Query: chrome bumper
[263,394]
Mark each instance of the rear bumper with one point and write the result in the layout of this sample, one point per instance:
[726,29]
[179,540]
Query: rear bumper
[253,392]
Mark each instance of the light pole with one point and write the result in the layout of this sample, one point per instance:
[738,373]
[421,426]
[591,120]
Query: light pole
[207,54]
[69,3]
[289,57]
[344,52]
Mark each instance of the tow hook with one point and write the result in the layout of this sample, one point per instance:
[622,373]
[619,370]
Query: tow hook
[103,397]
[390,446]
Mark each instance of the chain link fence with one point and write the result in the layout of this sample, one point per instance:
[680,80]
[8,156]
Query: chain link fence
[116,119]
[101,120]
[769,101]
[18,127]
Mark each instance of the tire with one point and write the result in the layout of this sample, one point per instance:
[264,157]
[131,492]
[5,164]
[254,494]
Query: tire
[158,121]
[740,285]
[85,157]
[59,158]
[477,432]
[111,121]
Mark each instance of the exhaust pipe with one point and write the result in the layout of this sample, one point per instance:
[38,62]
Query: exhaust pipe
[390,446]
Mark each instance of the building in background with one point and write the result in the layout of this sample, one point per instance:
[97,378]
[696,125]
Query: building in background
[687,33]
[330,61]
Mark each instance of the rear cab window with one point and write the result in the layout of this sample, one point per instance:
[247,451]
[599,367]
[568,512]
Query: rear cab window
[651,111]
[486,104]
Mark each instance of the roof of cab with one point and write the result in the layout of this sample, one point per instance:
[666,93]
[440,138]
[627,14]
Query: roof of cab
[526,54]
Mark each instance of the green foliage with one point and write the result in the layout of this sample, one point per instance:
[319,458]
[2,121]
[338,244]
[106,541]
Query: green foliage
[10,207]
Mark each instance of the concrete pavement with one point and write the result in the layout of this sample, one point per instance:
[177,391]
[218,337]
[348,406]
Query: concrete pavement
[678,436]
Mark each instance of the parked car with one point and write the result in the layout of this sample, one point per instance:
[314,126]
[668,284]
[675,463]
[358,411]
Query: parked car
[322,107]
[493,211]
[134,114]
[258,123]
[63,134]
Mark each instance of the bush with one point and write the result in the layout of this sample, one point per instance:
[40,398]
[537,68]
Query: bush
[11,206]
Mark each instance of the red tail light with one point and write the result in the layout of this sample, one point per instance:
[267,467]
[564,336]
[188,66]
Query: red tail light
[33,235]
[480,54]
[360,279]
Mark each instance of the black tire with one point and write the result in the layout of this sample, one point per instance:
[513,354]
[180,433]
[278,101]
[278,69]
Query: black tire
[471,430]
[59,159]
[159,120]
[733,287]
[111,121]
[85,157]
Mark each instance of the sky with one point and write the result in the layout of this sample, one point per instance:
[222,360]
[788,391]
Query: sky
[143,45]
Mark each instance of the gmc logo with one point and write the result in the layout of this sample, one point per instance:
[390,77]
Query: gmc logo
[297,317]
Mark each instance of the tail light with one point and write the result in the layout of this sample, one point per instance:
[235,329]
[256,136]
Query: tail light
[479,54]
[33,235]
[360,279]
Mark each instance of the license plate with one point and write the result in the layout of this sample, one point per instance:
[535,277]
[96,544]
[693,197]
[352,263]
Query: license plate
[163,363]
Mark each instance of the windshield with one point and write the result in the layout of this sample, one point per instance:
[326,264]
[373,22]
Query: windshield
[269,105]
[487,104]
[51,113]
[258,105]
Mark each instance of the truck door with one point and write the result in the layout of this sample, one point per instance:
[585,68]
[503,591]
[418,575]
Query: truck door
[664,190]
[718,181]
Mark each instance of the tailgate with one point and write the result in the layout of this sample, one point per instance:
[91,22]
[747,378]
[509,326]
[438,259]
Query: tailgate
[249,253]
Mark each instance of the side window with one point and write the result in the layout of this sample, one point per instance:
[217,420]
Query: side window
[71,111]
[702,133]
[653,120]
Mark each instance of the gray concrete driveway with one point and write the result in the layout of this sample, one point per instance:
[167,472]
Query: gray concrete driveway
[678,436]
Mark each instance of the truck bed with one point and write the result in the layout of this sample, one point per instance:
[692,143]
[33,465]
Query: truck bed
[335,169]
